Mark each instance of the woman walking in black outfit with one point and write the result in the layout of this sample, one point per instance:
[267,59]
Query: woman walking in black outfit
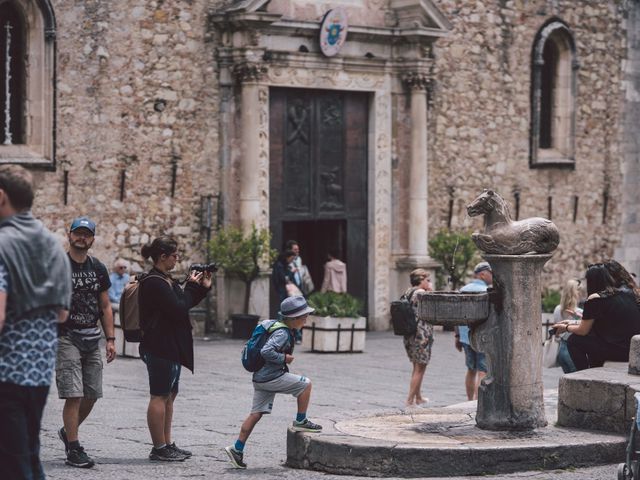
[609,320]
[167,342]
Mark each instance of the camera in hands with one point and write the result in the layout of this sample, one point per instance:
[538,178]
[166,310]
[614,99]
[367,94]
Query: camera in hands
[204,267]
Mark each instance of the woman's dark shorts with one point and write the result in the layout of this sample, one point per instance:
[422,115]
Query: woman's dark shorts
[164,375]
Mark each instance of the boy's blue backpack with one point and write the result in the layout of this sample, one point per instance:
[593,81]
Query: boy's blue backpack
[251,357]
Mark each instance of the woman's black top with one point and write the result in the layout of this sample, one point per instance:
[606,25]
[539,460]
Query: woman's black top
[164,314]
[616,317]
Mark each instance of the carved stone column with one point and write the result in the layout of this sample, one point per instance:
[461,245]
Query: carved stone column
[511,395]
[253,134]
[418,175]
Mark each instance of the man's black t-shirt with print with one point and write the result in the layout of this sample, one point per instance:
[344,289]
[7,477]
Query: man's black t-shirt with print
[89,279]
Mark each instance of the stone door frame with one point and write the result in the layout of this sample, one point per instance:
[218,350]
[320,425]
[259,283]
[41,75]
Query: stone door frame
[259,50]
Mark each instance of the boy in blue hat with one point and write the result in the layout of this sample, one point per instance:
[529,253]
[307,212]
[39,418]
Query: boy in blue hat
[274,376]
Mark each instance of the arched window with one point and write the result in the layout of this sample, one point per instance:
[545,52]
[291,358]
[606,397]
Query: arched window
[553,89]
[12,74]
[27,82]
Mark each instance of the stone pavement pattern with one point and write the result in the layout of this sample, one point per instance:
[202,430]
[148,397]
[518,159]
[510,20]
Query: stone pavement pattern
[213,402]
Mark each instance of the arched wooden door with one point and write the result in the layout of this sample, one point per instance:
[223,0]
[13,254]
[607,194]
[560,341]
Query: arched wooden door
[318,179]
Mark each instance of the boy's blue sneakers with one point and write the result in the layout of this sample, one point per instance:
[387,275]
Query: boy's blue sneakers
[306,426]
[236,457]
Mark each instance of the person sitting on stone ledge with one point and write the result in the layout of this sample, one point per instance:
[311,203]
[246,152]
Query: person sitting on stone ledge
[609,320]
[568,312]
[622,277]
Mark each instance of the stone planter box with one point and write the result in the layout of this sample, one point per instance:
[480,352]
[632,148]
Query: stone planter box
[453,308]
[334,334]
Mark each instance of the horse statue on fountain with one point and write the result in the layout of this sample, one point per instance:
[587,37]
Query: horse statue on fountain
[503,236]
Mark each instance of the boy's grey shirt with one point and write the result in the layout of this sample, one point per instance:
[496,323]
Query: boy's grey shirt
[273,352]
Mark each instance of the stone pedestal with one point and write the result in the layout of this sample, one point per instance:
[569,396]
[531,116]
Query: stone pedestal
[511,395]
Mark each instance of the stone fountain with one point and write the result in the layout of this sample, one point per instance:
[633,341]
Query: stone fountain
[505,323]
[507,429]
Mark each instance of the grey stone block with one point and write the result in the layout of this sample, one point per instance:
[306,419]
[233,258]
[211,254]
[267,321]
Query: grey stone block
[598,399]
[634,355]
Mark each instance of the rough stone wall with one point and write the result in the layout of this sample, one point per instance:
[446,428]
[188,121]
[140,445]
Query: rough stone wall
[137,90]
[629,251]
[481,119]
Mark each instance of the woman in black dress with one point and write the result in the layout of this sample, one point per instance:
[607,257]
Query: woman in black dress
[609,320]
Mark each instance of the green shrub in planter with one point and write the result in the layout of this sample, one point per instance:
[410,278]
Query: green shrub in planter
[242,254]
[550,298]
[332,304]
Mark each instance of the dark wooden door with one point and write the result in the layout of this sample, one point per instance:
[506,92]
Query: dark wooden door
[318,178]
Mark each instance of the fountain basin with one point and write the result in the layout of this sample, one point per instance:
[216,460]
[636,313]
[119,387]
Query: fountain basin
[453,308]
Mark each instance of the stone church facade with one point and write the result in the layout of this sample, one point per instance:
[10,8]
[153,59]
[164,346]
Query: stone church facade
[179,117]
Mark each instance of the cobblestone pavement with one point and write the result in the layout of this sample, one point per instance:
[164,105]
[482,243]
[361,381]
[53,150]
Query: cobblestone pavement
[213,402]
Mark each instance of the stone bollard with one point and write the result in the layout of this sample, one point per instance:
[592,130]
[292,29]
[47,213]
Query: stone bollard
[511,395]
[634,355]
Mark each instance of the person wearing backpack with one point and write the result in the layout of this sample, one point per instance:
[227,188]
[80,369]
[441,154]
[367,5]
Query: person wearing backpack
[78,359]
[274,376]
[167,342]
[418,345]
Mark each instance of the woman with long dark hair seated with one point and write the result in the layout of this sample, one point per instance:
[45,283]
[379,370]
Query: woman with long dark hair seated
[167,342]
[609,320]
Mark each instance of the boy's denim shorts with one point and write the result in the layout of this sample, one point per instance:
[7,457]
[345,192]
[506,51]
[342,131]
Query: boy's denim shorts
[164,375]
[265,393]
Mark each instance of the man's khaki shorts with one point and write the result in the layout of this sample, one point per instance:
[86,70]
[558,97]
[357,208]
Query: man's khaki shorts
[78,373]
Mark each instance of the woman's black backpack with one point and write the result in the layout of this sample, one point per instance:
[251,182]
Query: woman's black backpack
[402,315]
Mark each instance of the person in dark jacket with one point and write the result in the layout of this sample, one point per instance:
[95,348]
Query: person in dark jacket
[167,342]
[281,274]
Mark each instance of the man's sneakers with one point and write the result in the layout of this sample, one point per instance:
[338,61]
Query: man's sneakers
[306,425]
[181,451]
[236,457]
[77,457]
[63,436]
[166,454]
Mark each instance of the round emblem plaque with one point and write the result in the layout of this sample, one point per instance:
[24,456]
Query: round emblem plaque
[333,31]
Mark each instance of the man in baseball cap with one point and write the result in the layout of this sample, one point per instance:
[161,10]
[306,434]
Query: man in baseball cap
[79,361]
[475,361]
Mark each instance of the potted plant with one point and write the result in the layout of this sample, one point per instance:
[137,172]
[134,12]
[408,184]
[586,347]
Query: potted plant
[336,325]
[242,255]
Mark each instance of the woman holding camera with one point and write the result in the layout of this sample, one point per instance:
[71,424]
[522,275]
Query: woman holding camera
[167,343]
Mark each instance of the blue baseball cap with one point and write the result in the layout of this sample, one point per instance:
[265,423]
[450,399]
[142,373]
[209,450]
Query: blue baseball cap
[293,307]
[83,222]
